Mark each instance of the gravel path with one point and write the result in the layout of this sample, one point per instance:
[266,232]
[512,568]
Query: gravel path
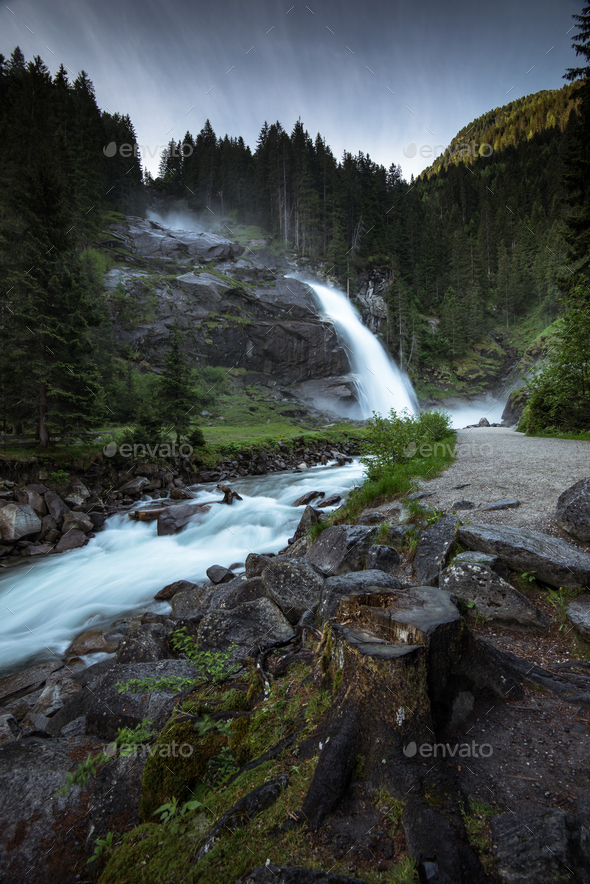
[495,463]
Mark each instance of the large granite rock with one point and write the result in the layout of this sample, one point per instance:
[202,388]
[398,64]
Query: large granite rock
[573,510]
[294,585]
[76,522]
[18,520]
[541,847]
[29,496]
[554,561]
[153,240]
[492,597]
[578,614]
[341,549]
[192,603]
[382,558]
[174,518]
[337,588]
[248,626]
[434,546]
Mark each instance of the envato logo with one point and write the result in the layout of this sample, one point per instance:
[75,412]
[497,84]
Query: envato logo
[140,150]
[139,449]
[462,449]
[466,149]
[444,750]
[161,750]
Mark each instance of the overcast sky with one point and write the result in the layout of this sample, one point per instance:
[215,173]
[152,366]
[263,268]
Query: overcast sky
[374,76]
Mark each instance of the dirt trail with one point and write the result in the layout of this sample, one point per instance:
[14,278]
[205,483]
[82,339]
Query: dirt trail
[495,463]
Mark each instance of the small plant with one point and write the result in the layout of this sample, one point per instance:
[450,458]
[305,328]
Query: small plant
[530,576]
[83,772]
[59,477]
[208,725]
[172,810]
[102,846]
[557,601]
[171,685]
[213,666]
[128,739]
[383,533]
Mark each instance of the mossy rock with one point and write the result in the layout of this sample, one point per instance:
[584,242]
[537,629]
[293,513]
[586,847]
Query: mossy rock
[174,772]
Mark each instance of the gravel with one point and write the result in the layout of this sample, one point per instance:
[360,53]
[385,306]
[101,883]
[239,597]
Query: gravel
[499,463]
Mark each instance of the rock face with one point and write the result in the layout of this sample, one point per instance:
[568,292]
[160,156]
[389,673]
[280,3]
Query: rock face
[17,521]
[541,848]
[554,561]
[493,598]
[249,626]
[294,585]
[341,549]
[434,546]
[573,510]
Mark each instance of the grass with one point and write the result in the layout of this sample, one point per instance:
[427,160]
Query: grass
[476,819]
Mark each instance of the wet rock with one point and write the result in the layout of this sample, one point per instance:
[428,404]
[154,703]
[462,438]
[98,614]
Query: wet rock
[434,547]
[341,548]
[578,614]
[93,641]
[245,591]
[249,626]
[18,520]
[219,574]
[554,561]
[180,494]
[146,644]
[337,588]
[76,493]
[171,589]
[382,558]
[76,522]
[72,540]
[294,585]
[493,598]
[174,518]
[332,500]
[541,847]
[573,510]
[508,504]
[305,499]
[39,549]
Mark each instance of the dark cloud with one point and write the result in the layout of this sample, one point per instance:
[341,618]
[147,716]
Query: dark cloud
[334,64]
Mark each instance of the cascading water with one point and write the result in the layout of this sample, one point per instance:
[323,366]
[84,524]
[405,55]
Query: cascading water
[46,604]
[380,383]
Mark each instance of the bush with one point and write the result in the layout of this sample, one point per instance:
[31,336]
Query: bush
[398,438]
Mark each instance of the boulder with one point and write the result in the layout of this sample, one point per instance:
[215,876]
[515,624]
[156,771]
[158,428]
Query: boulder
[48,524]
[332,500]
[249,626]
[72,540]
[145,644]
[191,604]
[9,729]
[483,422]
[116,794]
[294,585]
[305,499]
[540,847]
[76,493]
[27,680]
[93,641]
[337,588]
[462,505]
[573,510]
[219,574]
[76,522]
[135,485]
[28,496]
[57,508]
[246,591]
[554,561]
[434,547]
[578,614]
[18,520]
[478,558]
[492,597]
[382,558]
[171,589]
[256,563]
[174,518]
[341,548]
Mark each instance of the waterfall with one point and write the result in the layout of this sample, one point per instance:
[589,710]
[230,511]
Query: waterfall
[381,384]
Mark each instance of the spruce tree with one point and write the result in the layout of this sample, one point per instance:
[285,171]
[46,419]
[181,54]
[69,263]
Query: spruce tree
[177,396]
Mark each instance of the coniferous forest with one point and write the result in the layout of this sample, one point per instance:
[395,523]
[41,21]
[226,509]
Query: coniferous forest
[481,239]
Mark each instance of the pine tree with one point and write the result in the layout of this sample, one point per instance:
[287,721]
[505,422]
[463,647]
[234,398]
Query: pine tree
[177,396]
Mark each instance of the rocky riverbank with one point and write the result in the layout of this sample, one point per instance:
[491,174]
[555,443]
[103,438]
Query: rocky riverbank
[49,511]
[265,681]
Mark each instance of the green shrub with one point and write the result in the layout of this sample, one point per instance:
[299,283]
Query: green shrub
[400,437]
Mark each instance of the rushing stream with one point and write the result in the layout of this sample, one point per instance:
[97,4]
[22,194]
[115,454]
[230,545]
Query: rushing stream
[47,604]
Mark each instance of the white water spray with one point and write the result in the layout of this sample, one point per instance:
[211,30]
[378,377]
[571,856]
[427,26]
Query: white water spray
[381,384]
